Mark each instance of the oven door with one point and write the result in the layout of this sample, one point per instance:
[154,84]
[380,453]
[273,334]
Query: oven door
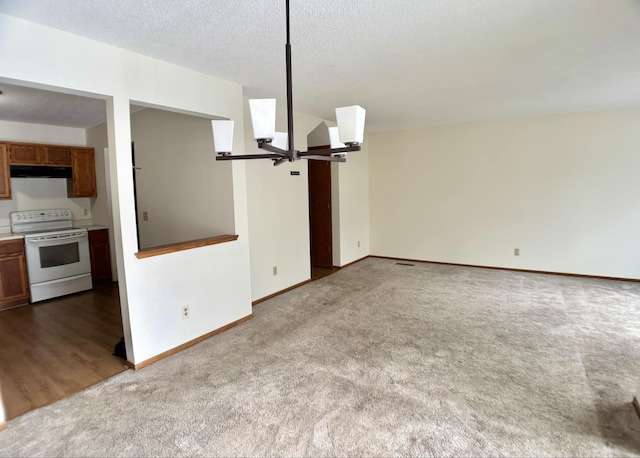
[57,256]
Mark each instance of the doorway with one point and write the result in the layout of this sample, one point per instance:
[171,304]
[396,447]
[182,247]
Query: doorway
[320,219]
[63,345]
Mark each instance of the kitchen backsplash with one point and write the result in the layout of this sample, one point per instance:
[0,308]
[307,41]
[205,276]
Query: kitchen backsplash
[41,193]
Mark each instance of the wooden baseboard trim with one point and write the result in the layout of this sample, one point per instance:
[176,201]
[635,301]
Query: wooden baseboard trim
[546,272]
[191,343]
[353,262]
[286,290]
[636,405]
[3,425]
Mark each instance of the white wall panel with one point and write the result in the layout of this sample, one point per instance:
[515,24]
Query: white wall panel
[562,189]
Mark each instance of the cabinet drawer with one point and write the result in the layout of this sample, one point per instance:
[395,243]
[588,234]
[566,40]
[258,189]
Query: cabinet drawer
[11,247]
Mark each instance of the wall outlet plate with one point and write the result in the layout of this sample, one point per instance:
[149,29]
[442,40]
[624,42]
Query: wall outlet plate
[275,270]
[185,312]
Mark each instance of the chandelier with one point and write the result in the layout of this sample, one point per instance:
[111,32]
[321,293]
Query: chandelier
[345,138]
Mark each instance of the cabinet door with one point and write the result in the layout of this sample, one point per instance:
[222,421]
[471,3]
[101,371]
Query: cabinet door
[25,154]
[83,182]
[57,155]
[100,256]
[14,288]
[5,180]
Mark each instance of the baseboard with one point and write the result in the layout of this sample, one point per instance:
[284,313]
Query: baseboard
[286,290]
[354,262]
[187,344]
[636,405]
[546,272]
[3,425]
[297,285]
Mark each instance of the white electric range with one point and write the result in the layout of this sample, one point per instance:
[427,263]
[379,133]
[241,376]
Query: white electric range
[57,253]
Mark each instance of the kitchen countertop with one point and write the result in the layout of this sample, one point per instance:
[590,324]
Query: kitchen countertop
[9,236]
[94,227]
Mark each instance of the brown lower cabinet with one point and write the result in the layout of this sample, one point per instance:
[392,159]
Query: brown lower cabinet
[100,257]
[14,286]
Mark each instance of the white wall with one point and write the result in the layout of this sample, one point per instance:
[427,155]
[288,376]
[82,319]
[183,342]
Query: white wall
[101,206]
[186,193]
[213,280]
[39,193]
[278,212]
[353,206]
[41,133]
[563,189]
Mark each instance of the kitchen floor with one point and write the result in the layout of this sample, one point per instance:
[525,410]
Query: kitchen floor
[52,349]
[320,272]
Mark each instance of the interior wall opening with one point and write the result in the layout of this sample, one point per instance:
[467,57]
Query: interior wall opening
[62,343]
[181,192]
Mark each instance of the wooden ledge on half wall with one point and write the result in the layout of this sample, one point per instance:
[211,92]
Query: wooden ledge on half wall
[180,246]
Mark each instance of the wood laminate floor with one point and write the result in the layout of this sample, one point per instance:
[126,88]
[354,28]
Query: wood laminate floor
[320,272]
[52,349]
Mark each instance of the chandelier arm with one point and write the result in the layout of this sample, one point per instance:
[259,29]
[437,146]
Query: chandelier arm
[274,149]
[325,158]
[329,151]
[231,157]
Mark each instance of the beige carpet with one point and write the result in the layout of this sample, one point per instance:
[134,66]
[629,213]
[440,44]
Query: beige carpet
[380,359]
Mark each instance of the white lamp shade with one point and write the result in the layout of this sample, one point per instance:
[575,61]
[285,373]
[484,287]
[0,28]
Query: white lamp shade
[334,137]
[222,135]
[351,123]
[263,118]
[280,140]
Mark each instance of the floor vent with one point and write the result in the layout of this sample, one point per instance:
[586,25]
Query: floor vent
[404,264]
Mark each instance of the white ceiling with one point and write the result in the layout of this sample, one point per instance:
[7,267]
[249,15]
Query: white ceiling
[23,104]
[410,63]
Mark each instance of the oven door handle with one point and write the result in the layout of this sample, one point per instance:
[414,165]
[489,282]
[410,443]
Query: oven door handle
[56,239]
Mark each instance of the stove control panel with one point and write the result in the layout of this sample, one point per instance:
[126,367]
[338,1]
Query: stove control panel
[39,216]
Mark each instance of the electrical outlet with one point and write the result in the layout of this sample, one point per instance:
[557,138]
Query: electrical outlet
[358,243]
[145,216]
[275,270]
[86,212]
[516,251]
[185,312]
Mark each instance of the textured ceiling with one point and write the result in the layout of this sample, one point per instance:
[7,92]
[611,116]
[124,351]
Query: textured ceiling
[411,63]
[24,104]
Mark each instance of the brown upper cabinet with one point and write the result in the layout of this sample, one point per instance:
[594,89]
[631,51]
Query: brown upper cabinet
[83,168]
[81,160]
[5,181]
[35,154]
[25,154]
[57,155]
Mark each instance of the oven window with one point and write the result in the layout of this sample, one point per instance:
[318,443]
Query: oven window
[59,255]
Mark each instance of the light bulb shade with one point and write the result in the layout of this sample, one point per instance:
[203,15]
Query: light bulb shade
[222,135]
[351,124]
[334,138]
[263,118]
[280,140]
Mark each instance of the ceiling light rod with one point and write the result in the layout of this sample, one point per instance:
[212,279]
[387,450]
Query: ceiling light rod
[345,138]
